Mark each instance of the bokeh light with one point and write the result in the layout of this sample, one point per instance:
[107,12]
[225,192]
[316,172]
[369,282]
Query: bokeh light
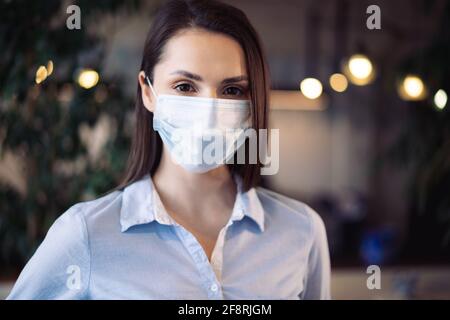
[440,99]
[88,78]
[41,74]
[412,88]
[338,82]
[311,88]
[359,70]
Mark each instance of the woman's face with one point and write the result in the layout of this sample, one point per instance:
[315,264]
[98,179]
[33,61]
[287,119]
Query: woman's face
[196,62]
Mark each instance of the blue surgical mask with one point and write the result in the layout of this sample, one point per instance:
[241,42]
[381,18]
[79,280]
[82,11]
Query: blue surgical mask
[200,133]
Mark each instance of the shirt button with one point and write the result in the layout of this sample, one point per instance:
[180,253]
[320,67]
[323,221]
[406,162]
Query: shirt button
[214,287]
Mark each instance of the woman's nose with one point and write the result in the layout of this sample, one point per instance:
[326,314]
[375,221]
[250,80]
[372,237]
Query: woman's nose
[210,93]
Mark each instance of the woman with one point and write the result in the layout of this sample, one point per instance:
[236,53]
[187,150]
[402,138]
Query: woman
[180,229]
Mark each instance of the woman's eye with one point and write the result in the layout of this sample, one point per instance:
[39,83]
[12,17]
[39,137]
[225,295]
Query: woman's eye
[233,91]
[184,87]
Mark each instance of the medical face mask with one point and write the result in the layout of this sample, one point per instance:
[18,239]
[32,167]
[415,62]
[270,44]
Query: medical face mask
[200,133]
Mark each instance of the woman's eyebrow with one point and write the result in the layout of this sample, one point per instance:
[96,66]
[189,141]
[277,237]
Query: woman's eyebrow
[235,79]
[188,74]
[196,77]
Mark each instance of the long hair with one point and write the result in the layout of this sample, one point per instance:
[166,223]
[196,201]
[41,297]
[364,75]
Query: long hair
[174,15]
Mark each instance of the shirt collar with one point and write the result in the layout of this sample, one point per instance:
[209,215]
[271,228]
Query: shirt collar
[141,204]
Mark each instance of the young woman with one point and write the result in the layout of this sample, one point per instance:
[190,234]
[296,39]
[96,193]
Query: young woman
[179,229]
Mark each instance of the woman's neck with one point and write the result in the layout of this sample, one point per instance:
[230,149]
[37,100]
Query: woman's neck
[192,194]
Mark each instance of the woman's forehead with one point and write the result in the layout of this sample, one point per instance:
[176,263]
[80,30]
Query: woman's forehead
[209,54]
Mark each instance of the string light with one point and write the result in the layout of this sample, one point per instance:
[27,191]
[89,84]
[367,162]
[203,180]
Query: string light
[88,78]
[440,99]
[41,74]
[49,67]
[311,88]
[412,88]
[338,82]
[359,70]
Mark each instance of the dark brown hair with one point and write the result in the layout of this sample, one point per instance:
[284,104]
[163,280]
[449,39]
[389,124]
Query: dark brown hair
[174,15]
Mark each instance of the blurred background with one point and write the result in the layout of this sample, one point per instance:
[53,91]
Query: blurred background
[363,116]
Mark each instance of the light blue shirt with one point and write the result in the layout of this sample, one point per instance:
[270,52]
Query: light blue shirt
[124,245]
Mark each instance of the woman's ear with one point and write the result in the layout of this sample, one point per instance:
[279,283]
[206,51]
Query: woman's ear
[146,93]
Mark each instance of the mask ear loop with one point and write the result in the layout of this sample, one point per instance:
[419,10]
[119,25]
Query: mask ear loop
[151,87]
[156,97]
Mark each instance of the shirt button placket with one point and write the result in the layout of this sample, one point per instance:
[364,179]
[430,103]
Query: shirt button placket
[215,291]
[214,287]
[202,263]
